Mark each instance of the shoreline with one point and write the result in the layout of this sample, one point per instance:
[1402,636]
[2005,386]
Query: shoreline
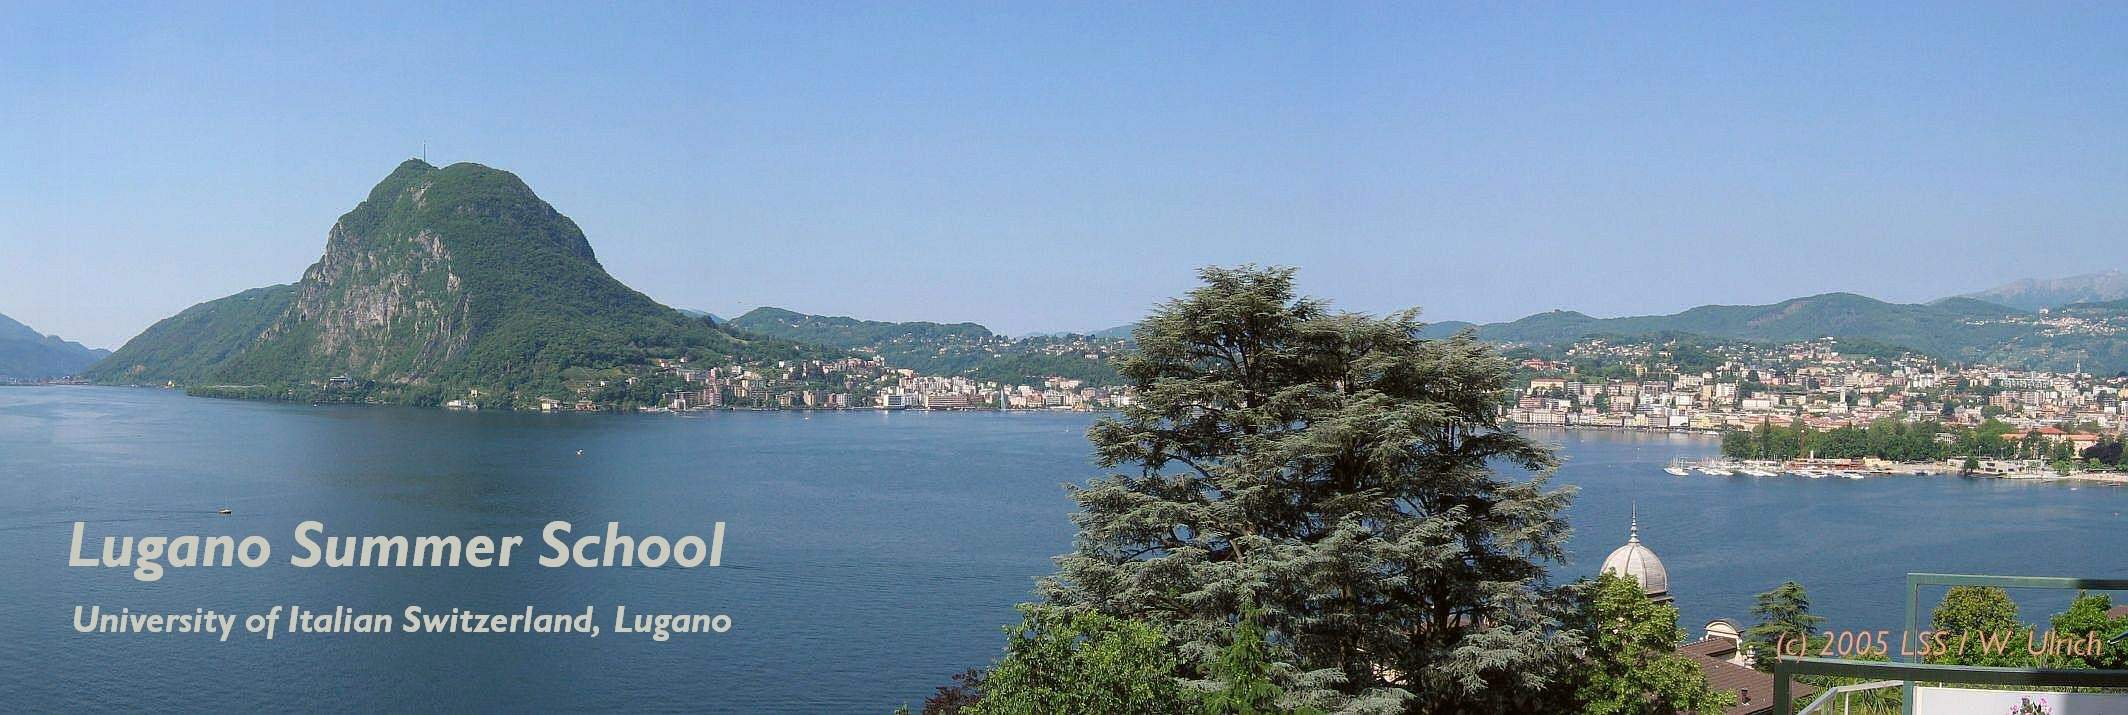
[1897,469]
[183,392]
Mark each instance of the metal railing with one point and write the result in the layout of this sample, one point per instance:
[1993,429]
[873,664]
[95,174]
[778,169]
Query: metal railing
[1786,668]
[1825,696]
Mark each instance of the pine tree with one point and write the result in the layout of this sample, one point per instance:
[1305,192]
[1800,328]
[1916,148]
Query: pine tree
[1782,612]
[1337,470]
[1242,676]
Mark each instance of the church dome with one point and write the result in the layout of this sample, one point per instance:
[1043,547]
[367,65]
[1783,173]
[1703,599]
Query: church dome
[1637,562]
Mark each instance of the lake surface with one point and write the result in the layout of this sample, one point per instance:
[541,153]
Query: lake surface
[868,556]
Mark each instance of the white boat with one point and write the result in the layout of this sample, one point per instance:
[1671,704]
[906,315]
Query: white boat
[1849,475]
[1717,471]
[1811,474]
[1759,473]
[1676,471]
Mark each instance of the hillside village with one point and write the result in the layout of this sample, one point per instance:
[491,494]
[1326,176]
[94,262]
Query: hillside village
[1685,384]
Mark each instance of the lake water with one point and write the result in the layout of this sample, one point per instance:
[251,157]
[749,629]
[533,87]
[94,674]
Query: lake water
[868,556]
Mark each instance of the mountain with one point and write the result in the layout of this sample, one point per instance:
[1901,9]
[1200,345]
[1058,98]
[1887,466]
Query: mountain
[2035,294]
[1121,331]
[1944,328]
[846,332]
[27,355]
[442,280]
[965,349]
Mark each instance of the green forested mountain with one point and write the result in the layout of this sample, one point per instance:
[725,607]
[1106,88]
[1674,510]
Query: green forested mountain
[442,280]
[1963,329]
[1933,328]
[26,354]
[189,346]
[844,332]
[945,348]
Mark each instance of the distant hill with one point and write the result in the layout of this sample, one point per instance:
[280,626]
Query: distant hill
[2034,294]
[195,343]
[26,354]
[1959,329]
[1938,328]
[442,280]
[713,317]
[1121,331]
[966,349]
[844,332]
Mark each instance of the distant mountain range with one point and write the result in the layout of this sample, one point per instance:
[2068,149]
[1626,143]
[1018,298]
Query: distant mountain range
[27,355]
[441,281]
[456,278]
[2093,335]
[966,349]
[2088,333]
[843,332]
[2035,294]
[1939,327]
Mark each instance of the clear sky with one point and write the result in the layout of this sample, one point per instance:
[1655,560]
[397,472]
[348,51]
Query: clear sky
[1051,167]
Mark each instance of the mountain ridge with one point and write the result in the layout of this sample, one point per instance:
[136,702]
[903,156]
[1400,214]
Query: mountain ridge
[28,355]
[2091,335]
[1836,314]
[2040,293]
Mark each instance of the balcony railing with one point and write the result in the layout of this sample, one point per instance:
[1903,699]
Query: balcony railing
[1907,674]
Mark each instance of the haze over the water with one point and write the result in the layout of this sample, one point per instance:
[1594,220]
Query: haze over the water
[1040,168]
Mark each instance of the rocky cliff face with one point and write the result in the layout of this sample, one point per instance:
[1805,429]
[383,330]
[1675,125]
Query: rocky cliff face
[384,302]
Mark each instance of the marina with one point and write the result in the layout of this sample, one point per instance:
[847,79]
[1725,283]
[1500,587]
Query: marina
[1864,469]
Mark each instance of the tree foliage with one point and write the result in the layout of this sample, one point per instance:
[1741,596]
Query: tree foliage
[1987,614]
[1061,661]
[1781,612]
[1242,677]
[1631,665]
[1336,470]
[2087,614]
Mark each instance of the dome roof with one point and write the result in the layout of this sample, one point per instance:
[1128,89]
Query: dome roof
[1637,562]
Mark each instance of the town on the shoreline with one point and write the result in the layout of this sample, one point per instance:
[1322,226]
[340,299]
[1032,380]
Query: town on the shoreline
[1830,406]
[838,384]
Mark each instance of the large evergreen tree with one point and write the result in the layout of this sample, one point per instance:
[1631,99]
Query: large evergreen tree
[1337,472]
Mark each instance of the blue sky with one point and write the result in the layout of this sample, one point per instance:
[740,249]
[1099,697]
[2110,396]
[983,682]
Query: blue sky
[1047,167]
